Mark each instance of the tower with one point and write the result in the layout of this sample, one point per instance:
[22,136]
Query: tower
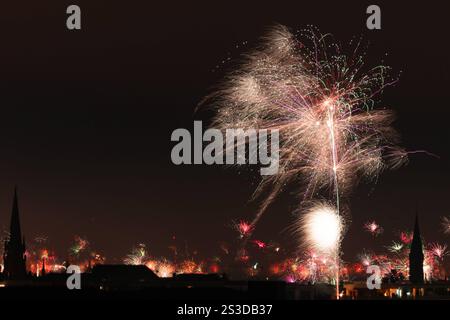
[416,256]
[14,258]
[43,273]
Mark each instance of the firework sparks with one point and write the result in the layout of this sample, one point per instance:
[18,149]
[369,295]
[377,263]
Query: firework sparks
[165,269]
[406,237]
[97,258]
[446,224]
[321,228]
[260,244]
[316,264]
[366,259]
[395,247]
[396,266]
[41,239]
[373,228]
[438,250]
[137,256]
[224,248]
[242,255]
[244,228]
[80,245]
[322,103]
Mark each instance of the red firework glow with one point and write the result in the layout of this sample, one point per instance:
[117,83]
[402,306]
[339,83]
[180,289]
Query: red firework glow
[406,237]
[244,228]
[256,258]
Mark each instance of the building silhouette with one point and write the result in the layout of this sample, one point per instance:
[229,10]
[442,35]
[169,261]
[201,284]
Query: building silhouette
[416,256]
[14,258]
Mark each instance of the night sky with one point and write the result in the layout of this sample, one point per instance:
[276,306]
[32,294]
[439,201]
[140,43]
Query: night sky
[87,117]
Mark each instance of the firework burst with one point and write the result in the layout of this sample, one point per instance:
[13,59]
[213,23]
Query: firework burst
[137,256]
[80,244]
[321,229]
[373,228]
[440,251]
[322,102]
[365,259]
[395,266]
[260,244]
[244,228]
[406,237]
[165,268]
[395,247]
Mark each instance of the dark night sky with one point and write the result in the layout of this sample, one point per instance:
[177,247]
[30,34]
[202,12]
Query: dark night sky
[87,116]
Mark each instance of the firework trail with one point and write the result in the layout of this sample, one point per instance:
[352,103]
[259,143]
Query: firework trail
[260,244]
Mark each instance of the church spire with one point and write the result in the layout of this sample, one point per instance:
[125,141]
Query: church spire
[43,273]
[14,258]
[15,231]
[416,255]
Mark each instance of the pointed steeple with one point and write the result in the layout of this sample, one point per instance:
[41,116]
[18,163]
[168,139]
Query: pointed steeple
[416,227]
[416,255]
[43,267]
[89,266]
[15,231]
[14,258]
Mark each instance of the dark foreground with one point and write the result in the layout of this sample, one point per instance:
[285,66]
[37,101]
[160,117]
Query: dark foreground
[197,303]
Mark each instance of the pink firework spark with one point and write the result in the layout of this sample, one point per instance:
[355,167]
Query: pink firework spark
[259,244]
[438,250]
[244,228]
[374,228]
[406,237]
